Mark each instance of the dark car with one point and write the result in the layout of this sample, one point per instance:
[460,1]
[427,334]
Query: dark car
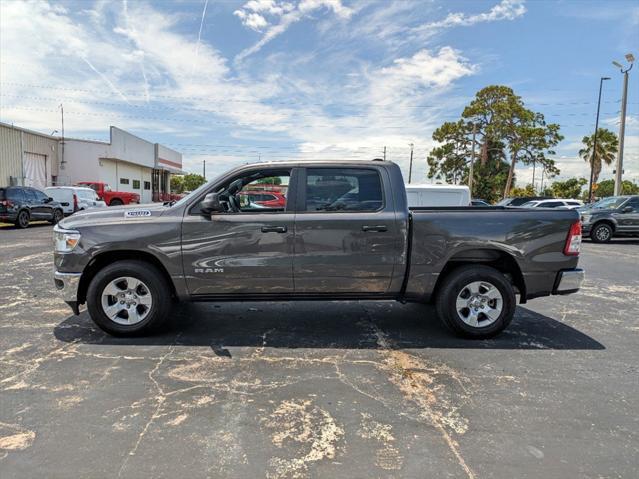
[478,202]
[21,204]
[612,216]
[518,201]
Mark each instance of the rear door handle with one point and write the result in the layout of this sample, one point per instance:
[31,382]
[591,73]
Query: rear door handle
[378,228]
[274,229]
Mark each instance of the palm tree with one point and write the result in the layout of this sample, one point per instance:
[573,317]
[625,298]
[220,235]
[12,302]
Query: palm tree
[606,151]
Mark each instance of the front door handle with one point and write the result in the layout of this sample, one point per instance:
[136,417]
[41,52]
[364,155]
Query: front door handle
[378,228]
[274,229]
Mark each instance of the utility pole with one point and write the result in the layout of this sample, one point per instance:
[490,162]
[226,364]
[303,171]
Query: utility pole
[204,169]
[622,127]
[594,141]
[62,164]
[472,162]
[410,166]
[384,153]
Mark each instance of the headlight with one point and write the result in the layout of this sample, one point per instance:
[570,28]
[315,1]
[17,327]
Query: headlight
[65,240]
[585,218]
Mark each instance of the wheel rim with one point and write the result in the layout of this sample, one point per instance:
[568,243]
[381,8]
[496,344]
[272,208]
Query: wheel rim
[479,304]
[23,219]
[602,233]
[57,216]
[126,300]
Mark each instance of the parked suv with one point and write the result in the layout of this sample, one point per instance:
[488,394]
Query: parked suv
[520,200]
[612,216]
[21,204]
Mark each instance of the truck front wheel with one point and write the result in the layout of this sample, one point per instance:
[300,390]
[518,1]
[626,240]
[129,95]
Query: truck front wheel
[128,298]
[476,301]
[116,202]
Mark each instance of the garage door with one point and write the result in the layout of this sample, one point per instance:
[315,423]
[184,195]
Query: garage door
[35,170]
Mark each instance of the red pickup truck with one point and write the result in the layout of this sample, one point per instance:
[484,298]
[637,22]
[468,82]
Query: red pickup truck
[111,198]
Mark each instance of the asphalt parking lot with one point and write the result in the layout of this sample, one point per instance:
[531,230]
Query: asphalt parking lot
[319,389]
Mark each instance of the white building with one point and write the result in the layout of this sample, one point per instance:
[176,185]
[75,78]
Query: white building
[126,162]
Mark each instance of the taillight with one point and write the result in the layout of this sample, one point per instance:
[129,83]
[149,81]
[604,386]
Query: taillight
[573,241]
[6,203]
[75,202]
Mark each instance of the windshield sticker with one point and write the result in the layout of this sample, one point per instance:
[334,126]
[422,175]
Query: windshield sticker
[137,213]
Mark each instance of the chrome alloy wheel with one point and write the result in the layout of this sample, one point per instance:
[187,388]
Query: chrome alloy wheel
[602,233]
[126,300]
[479,304]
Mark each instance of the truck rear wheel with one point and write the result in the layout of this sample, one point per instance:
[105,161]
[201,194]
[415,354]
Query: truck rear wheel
[476,301]
[116,202]
[128,298]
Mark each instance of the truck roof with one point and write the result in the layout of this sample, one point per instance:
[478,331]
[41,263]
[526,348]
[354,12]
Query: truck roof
[291,163]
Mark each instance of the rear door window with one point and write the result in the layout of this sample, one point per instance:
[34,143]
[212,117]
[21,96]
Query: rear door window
[340,189]
[30,195]
[552,204]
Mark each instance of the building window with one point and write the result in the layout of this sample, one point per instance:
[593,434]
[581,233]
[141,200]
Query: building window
[124,181]
[136,184]
[147,185]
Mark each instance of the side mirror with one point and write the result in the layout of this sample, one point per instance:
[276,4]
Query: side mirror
[48,200]
[211,204]
[628,209]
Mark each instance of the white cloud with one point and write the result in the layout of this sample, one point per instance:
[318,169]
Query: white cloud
[274,17]
[426,69]
[504,10]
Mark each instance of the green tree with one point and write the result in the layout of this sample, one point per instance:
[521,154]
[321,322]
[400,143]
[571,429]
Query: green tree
[177,184]
[193,181]
[528,190]
[568,189]
[271,180]
[606,151]
[450,159]
[190,182]
[607,188]
[500,115]
[489,176]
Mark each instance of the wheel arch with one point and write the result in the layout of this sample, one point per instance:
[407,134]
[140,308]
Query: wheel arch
[607,221]
[103,259]
[495,258]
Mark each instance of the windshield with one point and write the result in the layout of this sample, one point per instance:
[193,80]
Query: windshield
[611,203]
[504,202]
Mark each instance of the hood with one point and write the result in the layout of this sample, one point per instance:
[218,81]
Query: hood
[114,215]
[586,210]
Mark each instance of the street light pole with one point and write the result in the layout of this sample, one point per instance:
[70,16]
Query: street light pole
[410,166]
[622,126]
[594,142]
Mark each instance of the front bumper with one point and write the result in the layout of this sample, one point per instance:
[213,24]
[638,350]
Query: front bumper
[67,285]
[569,281]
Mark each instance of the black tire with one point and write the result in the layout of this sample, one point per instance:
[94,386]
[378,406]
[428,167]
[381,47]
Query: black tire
[58,215]
[455,284]
[116,202]
[22,220]
[152,278]
[601,233]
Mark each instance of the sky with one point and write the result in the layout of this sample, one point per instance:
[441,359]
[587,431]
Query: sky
[231,82]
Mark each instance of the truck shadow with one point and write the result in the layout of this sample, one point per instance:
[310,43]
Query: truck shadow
[344,325]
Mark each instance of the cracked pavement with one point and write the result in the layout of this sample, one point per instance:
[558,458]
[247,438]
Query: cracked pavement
[319,389]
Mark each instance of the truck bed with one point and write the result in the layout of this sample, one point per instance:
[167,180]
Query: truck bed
[533,238]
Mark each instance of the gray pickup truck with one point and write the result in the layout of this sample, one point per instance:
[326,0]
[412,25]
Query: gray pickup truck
[344,232]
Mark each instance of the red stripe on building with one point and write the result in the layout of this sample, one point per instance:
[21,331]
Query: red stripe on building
[170,163]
